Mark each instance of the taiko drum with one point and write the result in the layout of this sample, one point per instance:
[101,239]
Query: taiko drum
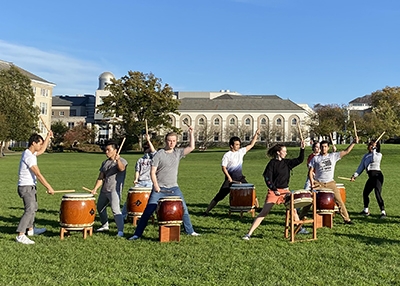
[242,197]
[170,211]
[77,211]
[137,200]
[301,198]
[325,201]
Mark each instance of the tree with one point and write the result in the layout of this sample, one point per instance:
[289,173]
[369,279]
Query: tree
[386,111]
[59,129]
[137,97]
[205,134]
[80,134]
[328,119]
[3,133]
[17,104]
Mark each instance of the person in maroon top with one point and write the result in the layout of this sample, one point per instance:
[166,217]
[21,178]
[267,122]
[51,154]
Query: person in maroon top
[276,176]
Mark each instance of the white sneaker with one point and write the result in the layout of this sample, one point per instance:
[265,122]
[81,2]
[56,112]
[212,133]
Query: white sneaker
[36,231]
[104,227]
[246,237]
[24,239]
[135,237]
[195,234]
[303,231]
[120,234]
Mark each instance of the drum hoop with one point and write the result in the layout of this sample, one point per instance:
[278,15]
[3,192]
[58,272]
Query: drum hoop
[171,222]
[242,185]
[76,226]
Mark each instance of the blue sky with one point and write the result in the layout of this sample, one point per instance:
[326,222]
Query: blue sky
[308,51]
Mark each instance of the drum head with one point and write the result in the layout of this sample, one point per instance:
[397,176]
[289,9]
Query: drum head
[301,192]
[139,189]
[242,186]
[170,198]
[324,190]
[78,195]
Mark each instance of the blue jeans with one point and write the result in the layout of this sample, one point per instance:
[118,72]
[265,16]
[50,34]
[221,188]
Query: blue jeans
[152,206]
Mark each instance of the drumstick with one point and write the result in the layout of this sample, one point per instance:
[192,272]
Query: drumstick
[87,189]
[122,144]
[301,134]
[65,191]
[330,135]
[355,129]
[185,122]
[147,128]
[44,123]
[379,138]
[344,178]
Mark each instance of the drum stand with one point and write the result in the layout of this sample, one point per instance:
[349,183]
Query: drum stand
[295,225]
[169,233]
[252,211]
[135,218]
[85,230]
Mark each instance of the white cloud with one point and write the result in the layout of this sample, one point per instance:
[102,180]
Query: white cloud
[71,75]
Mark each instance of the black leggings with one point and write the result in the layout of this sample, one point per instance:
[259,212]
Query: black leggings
[374,182]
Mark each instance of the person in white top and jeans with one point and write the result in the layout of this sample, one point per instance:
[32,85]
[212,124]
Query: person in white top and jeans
[28,174]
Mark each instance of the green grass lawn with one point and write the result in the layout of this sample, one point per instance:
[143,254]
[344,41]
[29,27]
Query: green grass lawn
[366,253]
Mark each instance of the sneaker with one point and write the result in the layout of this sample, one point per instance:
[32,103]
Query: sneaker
[349,222]
[365,213]
[104,227]
[195,234]
[24,239]
[383,216]
[303,231]
[120,234]
[135,237]
[246,237]
[36,231]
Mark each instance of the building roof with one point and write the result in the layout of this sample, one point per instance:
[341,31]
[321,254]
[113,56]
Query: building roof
[362,99]
[228,102]
[67,100]
[31,76]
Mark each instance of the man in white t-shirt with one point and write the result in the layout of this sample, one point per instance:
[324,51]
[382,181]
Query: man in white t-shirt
[321,174]
[232,162]
[27,175]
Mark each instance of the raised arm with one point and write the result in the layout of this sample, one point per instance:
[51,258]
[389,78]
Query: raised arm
[349,148]
[253,141]
[191,146]
[45,143]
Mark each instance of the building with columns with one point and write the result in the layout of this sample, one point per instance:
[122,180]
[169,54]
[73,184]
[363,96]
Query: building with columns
[217,116]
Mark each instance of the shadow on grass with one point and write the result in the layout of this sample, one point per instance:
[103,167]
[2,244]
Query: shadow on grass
[369,240]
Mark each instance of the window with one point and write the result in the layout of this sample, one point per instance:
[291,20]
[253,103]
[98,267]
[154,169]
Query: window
[263,121]
[216,137]
[294,137]
[61,113]
[186,121]
[44,92]
[71,125]
[52,113]
[201,136]
[72,112]
[262,136]
[216,121]
[247,121]
[278,137]
[247,137]
[201,121]
[232,121]
[43,108]
[279,121]
[34,89]
[231,134]
[184,136]
[294,121]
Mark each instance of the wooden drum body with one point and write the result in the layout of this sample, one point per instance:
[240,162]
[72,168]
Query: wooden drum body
[137,200]
[77,211]
[242,197]
[342,191]
[325,201]
[170,211]
[301,198]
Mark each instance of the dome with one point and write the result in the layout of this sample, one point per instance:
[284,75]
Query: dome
[105,78]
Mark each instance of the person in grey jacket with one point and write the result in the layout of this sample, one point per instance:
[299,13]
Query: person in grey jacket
[371,162]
